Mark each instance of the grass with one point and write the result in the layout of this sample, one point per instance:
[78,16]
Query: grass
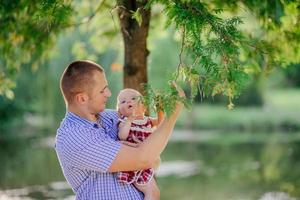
[280,112]
[232,138]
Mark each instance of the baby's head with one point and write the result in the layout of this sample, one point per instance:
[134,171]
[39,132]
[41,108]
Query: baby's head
[129,101]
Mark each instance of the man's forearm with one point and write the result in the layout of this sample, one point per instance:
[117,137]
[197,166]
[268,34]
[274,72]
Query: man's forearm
[153,146]
[160,117]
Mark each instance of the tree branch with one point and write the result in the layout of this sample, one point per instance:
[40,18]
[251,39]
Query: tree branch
[89,18]
[180,54]
[112,16]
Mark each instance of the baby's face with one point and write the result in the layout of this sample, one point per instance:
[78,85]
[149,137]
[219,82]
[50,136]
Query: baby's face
[128,103]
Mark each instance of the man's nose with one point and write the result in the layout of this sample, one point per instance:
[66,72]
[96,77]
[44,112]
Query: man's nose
[108,93]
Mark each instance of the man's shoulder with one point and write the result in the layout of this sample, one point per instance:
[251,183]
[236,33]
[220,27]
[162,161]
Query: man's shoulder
[68,126]
[75,135]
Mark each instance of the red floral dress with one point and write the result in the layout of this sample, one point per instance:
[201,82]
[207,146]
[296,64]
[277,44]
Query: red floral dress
[139,131]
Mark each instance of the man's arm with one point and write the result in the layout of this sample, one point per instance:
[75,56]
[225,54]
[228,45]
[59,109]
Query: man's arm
[145,155]
[159,119]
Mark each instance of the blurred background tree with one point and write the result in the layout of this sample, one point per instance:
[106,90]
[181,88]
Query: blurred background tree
[221,52]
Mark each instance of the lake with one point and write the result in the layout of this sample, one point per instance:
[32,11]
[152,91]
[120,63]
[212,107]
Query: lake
[195,165]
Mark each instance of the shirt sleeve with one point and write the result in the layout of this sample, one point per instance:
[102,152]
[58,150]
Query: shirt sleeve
[96,155]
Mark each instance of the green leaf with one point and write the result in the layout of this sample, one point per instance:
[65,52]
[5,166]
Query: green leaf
[137,16]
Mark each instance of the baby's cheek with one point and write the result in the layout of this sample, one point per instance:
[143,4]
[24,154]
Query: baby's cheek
[124,111]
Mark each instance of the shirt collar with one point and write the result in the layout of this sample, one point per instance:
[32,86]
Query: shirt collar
[79,120]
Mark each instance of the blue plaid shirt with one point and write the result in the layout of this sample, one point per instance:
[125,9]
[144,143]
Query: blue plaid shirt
[85,151]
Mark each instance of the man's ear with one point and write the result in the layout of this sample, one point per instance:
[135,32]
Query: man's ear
[81,98]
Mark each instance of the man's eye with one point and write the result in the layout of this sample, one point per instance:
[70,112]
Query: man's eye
[102,91]
[123,101]
[133,98]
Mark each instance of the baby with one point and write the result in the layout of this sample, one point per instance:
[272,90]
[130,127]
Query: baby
[135,127]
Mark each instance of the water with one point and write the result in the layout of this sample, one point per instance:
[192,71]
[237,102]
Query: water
[211,166]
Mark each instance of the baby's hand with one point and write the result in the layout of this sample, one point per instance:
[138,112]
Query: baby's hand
[136,139]
[133,114]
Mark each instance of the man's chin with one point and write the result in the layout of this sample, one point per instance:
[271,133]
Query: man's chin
[102,109]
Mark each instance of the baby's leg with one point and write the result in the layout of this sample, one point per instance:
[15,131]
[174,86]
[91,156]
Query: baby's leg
[150,190]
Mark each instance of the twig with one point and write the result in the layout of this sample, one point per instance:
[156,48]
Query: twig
[180,54]
[89,18]
[112,16]
[257,48]
[125,13]
[196,61]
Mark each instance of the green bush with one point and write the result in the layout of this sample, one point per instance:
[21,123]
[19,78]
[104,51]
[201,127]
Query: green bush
[292,75]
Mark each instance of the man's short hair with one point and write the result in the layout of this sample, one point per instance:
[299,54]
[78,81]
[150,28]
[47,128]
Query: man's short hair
[78,77]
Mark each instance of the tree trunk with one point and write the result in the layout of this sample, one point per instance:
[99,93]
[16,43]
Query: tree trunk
[135,42]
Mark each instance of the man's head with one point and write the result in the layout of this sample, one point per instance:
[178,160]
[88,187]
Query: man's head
[83,83]
[129,103]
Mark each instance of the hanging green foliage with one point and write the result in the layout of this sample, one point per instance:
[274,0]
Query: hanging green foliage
[27,31]
[217,56]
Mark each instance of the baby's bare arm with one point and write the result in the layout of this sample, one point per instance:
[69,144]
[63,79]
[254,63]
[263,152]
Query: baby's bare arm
[124,128]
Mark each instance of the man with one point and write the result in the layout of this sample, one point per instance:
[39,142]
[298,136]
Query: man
[87,144]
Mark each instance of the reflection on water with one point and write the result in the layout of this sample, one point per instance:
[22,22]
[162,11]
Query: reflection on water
[215,168]
[276,196]
[178,168]
[61,190]
[56,190]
